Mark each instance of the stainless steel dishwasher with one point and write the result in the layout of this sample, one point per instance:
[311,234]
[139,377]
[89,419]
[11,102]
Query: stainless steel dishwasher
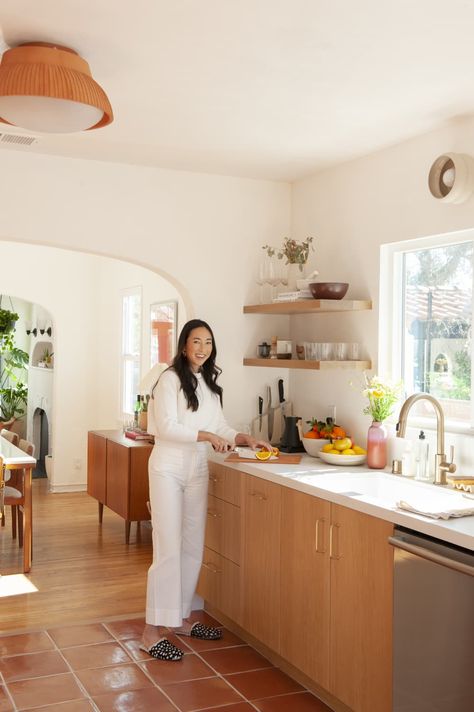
[433,635]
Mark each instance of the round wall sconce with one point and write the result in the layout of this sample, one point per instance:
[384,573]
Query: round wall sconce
[451,178]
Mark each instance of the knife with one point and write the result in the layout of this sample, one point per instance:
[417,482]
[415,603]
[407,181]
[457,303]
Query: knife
[260,412]
[270,413]
[286,407]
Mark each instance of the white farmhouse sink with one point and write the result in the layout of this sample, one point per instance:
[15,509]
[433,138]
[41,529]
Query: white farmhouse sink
[380,486]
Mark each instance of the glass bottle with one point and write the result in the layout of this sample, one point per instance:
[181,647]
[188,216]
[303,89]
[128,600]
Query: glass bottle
[377,446]
[136,410]
[422,472]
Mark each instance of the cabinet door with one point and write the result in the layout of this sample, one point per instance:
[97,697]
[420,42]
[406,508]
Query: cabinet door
[361,610]
[118,478]
[219,584]
[224,482]
[96,466]
[223,528]
[261,509]
[139,490]
[305,584]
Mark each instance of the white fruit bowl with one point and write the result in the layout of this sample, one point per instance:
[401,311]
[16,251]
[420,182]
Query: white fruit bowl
[342,460]
[314,445]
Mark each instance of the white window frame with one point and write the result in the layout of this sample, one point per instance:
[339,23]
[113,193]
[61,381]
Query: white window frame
[125,357]
[391,316]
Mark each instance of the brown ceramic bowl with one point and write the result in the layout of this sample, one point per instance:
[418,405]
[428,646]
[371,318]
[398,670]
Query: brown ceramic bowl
[328,290]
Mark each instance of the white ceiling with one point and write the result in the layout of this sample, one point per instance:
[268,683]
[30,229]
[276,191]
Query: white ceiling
[260,88]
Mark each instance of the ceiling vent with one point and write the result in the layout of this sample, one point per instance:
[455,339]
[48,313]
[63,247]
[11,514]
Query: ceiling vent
[16,138]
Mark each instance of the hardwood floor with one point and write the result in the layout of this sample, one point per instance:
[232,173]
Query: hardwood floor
[83,571]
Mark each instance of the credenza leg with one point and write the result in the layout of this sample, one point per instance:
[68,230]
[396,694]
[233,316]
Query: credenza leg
[127,531]
[101,512]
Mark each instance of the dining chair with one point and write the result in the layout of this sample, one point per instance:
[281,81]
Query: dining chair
[9,435]
[14,494]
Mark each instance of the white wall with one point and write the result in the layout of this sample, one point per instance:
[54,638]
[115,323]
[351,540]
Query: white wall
[201,232]
[352,210]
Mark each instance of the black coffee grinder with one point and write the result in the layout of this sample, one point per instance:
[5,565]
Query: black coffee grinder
[291,441]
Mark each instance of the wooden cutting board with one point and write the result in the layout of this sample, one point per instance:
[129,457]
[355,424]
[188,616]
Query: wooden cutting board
[282,459]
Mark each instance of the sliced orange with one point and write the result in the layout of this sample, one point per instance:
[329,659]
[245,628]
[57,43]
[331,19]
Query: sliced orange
[276,451]
[263,454]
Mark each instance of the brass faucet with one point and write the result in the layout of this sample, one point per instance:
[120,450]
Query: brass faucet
[442,467]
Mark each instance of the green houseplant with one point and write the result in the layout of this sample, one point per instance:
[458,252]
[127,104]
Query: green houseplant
[8,319]
[13,392]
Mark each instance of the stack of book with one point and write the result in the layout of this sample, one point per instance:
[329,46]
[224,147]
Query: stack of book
[137,434]
[293,296]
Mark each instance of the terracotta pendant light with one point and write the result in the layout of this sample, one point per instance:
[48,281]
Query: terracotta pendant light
[49,88]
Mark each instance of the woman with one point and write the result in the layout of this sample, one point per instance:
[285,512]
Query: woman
[185,415]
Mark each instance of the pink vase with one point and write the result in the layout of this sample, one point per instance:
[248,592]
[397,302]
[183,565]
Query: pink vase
[377,446]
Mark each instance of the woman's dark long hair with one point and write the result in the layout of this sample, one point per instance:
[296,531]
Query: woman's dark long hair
[210,372]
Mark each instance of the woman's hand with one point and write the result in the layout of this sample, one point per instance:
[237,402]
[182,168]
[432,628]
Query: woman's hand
[218,443]
[249,441]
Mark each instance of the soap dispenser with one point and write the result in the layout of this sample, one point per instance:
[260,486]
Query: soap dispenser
[422,473]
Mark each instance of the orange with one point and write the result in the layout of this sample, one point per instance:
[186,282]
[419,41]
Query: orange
[276,451]
[310,434]
[263,454]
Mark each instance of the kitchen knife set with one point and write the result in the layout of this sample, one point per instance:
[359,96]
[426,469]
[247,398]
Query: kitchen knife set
[269,425]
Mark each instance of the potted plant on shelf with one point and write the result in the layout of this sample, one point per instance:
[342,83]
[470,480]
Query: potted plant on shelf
[46,359]
[296,255]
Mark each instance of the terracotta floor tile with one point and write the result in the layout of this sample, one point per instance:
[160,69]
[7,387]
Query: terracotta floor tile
[263,683]
[70,635]
[76,706]
[21,667]
[198,694]
[25,643]
[39,691]
[239,707]
[147,700]
[189,668]
[120,678]
[239,659]
[5,704]
[94,656]
[298,702]
[130,628]
[228,639]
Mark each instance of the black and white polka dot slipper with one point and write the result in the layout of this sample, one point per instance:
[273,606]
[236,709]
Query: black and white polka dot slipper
[163,650]
[205,632]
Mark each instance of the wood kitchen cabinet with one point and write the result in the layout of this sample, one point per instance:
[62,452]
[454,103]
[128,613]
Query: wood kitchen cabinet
[336,599]
[361,560]
[261,521]
[117,475]
[305,584]
[220,579]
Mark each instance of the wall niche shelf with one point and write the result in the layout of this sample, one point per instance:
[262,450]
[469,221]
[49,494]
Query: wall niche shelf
[308,365]
[310,306]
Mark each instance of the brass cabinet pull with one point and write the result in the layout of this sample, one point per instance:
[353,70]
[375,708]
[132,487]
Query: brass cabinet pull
[259,496]
[213,479]
[332,553]
[213,514]
[317,537]
[211,567]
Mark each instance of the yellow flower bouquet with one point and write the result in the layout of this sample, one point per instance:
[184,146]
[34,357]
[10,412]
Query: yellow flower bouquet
[382,397]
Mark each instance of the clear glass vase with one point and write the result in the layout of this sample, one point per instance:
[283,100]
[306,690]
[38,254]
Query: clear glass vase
[377,446]
[294,271]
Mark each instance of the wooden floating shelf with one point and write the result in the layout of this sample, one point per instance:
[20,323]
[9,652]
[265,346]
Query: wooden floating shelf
[308,365]
[309,306]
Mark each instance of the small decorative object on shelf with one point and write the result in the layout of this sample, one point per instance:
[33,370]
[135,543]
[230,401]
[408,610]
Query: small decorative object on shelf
[382,397]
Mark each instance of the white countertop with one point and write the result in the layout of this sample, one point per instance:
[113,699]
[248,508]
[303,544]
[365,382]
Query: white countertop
[309,477]
[12,455]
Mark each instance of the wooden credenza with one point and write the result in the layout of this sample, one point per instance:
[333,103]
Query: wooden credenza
[117,475]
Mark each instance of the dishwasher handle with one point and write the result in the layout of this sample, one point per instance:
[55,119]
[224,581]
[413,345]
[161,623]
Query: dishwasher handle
[429,555]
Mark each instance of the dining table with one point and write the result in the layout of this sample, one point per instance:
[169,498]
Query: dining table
[14,459]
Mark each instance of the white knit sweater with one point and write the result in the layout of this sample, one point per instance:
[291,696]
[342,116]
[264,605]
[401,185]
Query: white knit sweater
[171,421]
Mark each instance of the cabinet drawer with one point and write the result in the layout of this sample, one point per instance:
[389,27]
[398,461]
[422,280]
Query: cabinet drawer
[223,528]
[219,584]
[224,483]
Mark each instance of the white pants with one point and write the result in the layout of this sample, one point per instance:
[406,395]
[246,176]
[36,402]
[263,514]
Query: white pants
[178,480]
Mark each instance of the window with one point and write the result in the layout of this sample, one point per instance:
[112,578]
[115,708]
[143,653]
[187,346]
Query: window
[428,291]
[131,347]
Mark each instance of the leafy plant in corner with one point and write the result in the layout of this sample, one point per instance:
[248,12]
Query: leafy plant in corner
[7,320]
[13,392]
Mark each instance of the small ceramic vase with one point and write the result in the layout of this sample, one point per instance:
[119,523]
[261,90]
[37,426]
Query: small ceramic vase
[377,446]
